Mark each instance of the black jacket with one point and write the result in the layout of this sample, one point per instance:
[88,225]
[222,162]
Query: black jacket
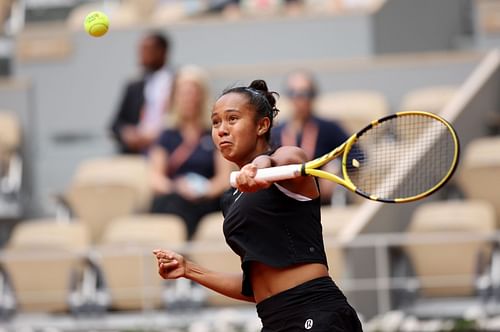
[129,111]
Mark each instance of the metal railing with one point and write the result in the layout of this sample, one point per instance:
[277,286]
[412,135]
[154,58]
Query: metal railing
[381,281]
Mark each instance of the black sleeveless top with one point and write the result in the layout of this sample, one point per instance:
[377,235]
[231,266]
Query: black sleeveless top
[270,227]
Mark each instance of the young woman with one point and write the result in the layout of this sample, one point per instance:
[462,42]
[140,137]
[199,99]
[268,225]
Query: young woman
[274,227]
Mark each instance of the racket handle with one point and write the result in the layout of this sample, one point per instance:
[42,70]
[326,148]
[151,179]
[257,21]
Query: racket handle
[277,173]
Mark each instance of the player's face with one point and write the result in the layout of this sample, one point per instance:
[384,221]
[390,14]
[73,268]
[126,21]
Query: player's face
[235,130]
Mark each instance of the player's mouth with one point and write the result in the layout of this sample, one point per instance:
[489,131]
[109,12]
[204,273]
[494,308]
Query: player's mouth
[225,144]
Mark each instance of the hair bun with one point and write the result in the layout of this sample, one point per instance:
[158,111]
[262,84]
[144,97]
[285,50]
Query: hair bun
[261,87]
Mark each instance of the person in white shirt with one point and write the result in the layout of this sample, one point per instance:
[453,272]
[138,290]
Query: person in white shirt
[139,118]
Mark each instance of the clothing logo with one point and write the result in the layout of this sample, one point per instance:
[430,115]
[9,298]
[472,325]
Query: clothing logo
[237,197]
[309,324]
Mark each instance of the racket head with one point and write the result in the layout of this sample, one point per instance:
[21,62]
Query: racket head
[401,157]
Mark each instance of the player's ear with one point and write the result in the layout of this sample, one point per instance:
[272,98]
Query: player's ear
[263,126]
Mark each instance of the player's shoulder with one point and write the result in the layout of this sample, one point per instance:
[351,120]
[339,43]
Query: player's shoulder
[289,154]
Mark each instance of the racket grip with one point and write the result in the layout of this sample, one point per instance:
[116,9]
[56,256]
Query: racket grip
[277,173]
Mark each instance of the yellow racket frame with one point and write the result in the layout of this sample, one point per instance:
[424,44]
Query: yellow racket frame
[311,167]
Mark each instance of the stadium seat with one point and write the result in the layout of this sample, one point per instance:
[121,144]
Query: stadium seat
[353,109]
[449,269]
[106,188]
[209,249]
[44,260]
[48,42]
[128,266]
[10,161]
[333,219]
[429,99]
[479,174]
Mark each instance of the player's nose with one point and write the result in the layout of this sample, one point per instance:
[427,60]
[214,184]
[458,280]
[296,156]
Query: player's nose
[222,130]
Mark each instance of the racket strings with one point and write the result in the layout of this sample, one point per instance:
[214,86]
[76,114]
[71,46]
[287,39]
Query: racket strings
[402,157]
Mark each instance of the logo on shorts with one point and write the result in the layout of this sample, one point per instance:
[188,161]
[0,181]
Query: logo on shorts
[309,324]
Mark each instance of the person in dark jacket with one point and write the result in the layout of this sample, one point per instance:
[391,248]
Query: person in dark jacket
[145,101]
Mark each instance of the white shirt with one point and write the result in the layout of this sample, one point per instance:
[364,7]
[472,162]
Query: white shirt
[157,91]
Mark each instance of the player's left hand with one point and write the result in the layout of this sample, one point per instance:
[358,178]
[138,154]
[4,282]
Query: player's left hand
[171,265]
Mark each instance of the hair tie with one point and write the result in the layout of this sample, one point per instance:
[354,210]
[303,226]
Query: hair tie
[254,91]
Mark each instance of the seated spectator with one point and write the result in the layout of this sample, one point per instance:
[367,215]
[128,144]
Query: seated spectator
[315,135]
[139,118]
[228,8]
[188,173]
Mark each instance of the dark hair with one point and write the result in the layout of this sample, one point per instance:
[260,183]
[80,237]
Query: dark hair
[161,40]
[261,99]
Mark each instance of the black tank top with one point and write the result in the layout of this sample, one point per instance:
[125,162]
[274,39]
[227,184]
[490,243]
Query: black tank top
[272,228]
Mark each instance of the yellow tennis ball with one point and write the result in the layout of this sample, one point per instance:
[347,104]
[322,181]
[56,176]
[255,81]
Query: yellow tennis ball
[96,24]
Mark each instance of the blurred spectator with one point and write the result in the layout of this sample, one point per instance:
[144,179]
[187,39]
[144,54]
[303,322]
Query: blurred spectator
[140,116]
[315,135]
[221,5]
[294,7]
[188,174]
[229,8]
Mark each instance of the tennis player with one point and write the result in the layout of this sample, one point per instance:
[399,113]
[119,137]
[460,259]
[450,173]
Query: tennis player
[274,227]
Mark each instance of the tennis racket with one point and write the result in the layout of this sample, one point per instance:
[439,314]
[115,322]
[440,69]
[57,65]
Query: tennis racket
[399,158]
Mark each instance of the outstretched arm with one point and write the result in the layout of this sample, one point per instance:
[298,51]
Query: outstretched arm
[172,265]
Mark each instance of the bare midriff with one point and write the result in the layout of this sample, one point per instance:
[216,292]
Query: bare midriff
[268,281]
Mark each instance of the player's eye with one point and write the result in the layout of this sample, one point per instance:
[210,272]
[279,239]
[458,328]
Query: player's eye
[215,122]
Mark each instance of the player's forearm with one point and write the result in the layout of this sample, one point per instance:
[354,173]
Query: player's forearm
[227,284]
[263,161]
[282,156]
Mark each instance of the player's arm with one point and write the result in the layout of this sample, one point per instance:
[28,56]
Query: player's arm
[228,284]
[285,155]
[172,265]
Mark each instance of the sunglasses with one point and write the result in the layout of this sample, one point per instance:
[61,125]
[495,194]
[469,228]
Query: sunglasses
[307,94]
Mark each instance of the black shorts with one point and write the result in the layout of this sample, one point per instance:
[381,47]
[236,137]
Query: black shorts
[315,306]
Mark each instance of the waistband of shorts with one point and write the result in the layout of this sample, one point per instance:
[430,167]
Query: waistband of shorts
[295,299]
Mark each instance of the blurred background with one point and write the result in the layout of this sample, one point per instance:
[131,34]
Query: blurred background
[76,223]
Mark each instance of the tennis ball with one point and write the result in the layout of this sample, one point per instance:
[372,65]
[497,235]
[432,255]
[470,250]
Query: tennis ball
[96,24]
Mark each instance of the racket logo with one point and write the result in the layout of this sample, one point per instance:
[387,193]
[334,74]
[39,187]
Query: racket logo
[309,324]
